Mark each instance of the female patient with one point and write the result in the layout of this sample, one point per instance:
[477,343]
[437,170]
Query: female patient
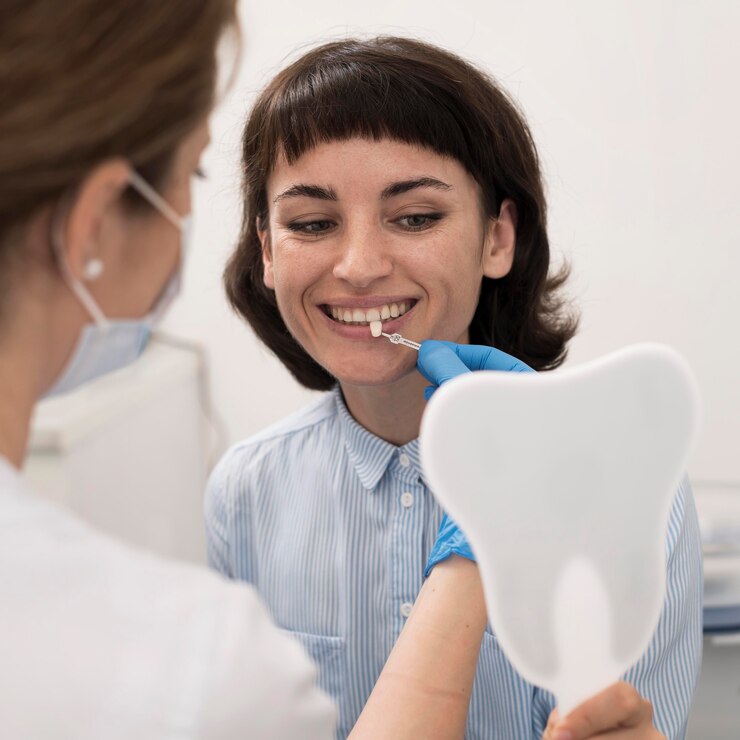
[390,180]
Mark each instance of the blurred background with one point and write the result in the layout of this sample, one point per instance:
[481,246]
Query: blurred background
[635,111]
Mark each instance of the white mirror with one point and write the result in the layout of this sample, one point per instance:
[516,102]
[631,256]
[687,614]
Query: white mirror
[563,484]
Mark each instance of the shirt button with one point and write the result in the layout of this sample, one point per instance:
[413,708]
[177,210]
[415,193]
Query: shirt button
[404,459]
[407,500]
[406,608]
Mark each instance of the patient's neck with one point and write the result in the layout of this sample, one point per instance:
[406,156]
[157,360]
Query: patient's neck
[391,412]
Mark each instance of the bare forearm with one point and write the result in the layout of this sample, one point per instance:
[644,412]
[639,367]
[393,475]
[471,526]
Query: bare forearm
[424,689]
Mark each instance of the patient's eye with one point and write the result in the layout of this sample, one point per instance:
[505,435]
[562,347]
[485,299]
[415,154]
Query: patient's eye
[310,227]
[419,221]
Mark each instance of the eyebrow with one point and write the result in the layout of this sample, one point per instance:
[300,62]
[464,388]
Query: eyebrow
[397,188]
[307,191]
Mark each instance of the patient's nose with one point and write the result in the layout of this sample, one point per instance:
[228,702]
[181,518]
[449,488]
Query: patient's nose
[362,261]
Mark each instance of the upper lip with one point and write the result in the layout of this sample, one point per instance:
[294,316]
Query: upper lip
[369,302]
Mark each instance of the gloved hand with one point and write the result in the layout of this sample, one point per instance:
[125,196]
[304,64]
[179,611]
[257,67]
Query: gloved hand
[439,362]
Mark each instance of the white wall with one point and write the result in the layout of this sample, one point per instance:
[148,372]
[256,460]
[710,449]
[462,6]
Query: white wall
[634,107]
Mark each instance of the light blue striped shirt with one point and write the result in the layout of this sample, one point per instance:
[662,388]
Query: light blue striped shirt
[333,525]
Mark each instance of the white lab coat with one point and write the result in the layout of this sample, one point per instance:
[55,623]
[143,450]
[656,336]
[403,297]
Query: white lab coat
[100,641]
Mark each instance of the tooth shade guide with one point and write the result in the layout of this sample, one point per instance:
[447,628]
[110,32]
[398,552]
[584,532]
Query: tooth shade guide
[398,339]
[376,328]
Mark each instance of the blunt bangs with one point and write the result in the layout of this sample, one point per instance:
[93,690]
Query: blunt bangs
[354,93]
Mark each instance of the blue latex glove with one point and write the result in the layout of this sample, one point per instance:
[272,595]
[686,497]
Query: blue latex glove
[450,541]
[439,362]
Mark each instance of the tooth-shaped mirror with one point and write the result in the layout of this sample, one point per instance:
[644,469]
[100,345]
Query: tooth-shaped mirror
[563,483]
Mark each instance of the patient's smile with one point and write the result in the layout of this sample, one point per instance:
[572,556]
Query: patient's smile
[360,316]
[355,323]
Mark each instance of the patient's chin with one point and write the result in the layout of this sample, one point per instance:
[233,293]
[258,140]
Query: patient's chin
[375,374]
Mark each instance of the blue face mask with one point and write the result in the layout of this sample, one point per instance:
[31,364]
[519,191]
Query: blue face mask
[107,344]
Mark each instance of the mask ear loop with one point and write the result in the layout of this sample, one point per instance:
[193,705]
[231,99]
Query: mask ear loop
[181,223]
[57,243]
[150,194]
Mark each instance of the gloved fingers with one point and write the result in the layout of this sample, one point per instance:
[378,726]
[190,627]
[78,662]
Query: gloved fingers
[477,357]
[437,367]
[474,357]
[429,391]
[438,362]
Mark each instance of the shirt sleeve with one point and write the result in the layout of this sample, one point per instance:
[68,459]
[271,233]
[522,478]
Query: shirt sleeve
[263,683]
[667,673]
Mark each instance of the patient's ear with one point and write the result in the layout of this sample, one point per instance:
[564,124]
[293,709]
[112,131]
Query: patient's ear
[264,237]
[498,252]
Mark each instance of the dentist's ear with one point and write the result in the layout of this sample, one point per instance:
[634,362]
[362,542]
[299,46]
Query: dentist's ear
[500,241]
[264,236]
[92,225]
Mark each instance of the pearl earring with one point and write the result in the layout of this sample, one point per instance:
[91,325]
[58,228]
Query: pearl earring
[93,269]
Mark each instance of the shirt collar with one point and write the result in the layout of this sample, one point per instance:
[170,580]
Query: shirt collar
[371,456]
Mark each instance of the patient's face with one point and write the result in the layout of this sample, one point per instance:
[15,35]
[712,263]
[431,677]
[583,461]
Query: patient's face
[360,230]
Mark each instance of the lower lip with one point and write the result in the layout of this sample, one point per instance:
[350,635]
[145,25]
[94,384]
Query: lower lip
[362,333]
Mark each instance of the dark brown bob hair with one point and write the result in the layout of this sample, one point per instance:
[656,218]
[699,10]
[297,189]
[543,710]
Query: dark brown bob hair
[413,92]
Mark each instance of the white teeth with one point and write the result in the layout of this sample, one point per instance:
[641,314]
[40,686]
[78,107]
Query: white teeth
[380,313]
